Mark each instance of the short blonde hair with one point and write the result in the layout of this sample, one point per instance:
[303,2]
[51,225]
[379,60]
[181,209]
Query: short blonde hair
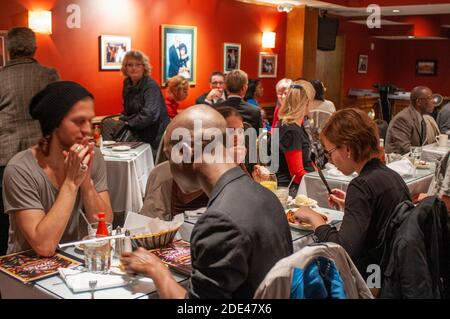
[136,55]
[295,106]
[175,84]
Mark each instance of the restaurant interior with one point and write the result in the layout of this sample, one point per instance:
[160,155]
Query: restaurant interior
[368,56]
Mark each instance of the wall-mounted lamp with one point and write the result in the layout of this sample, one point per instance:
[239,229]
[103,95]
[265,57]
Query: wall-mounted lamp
[285,7]
[40,21]
[268,40]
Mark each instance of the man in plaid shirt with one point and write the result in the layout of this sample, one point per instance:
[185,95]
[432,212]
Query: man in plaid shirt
[21,78]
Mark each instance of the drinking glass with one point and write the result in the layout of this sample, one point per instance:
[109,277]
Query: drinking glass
[283,194]
[269,181]
[416,152]
[97,255]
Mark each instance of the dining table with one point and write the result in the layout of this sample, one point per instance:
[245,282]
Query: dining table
[434,152]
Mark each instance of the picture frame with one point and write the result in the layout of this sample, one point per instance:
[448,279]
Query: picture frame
[426,67]
[4,57]
[363,63]
[112,51]
[267,65]
[231,56]
[178,52]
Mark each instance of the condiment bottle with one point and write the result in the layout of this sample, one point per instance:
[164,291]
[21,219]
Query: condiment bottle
[102,229]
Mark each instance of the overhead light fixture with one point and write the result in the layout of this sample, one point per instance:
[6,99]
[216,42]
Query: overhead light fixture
[285,7]
[411,37]
[268,40]
[40,21]
[396,11]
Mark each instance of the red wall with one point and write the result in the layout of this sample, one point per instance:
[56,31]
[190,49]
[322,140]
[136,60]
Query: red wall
[75,52]
[394,61]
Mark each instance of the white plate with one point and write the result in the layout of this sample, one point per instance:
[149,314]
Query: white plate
[306,226]
[121,148]
[106,143]
[115,269]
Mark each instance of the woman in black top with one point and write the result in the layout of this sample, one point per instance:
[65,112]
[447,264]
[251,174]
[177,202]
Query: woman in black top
[294,143]
[144,109]
[350,140]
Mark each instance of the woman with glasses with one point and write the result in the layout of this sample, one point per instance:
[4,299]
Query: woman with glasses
[294,143]
[350,140]
[144,110]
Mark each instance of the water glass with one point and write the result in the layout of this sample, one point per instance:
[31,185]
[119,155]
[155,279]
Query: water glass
[269,181]
[97,255]
[283,194]
[416,152]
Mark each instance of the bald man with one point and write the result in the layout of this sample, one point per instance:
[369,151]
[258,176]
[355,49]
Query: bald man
[243,232]
[408,127]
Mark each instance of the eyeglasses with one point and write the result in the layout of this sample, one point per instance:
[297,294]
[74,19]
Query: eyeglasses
[217,83]
[131,65]
[329,152]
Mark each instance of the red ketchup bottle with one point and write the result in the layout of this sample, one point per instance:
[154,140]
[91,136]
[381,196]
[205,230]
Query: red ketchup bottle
[102,229]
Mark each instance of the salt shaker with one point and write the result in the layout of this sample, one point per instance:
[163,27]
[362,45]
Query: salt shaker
[127,242]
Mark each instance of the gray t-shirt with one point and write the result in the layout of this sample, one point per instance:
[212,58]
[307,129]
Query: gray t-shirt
[27,186]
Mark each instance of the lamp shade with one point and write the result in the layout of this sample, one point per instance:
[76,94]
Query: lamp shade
[40,21]
[268,40]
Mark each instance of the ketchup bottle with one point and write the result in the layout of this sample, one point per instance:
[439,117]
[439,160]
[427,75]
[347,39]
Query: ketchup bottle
[102,229]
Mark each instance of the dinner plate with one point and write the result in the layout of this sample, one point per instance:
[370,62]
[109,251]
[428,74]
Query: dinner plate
[305,226]
[106,143]
[121,148]
[115,269]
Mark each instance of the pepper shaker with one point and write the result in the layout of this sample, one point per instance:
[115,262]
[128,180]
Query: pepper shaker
[119,246]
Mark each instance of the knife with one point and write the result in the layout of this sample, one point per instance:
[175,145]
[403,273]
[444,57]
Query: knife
[323,179]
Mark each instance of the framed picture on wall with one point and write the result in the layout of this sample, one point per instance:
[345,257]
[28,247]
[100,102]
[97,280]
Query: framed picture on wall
[3,52]
[179,52]
[363,63]
[231,57]
[267,65]
[426,67]
[112,51]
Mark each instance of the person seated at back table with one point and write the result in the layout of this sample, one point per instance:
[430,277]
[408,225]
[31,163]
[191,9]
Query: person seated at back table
[177,91]
[294,144]
[164,199]
[244,230]
[350,140]
[48,185]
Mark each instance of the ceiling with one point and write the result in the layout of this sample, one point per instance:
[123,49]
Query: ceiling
[358,8]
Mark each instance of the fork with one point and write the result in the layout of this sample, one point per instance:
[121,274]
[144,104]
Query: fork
[92,285]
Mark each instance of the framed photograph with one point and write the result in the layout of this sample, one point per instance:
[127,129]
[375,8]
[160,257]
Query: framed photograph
[112,51]
[267,65]
[231,57]
[363,61]
[179,52]
[426,67]
[3,52]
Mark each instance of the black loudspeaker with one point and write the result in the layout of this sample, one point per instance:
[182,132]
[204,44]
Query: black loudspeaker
[326,35]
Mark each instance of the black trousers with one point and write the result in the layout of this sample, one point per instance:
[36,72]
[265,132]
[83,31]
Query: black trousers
[4,219]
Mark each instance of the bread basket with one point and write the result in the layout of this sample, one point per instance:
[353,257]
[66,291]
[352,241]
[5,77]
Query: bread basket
[152,241]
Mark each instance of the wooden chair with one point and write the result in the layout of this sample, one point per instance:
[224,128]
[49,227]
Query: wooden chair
[107,126]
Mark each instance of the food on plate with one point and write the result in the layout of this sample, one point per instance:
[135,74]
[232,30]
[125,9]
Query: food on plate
[421,164]
[302,200]
[292,220]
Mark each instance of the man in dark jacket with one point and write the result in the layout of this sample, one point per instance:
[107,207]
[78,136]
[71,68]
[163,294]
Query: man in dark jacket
[244,230]
[217,92]
[236,83]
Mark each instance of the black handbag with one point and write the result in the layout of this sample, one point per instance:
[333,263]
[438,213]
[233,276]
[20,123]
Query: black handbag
[123,133]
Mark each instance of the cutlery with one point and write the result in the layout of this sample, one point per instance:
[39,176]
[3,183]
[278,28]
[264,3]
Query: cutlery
[92,285]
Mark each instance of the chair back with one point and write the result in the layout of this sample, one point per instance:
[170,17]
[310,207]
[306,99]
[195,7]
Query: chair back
[107,126]
[318,118]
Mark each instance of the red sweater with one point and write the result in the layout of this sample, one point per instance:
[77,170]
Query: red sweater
[172,107]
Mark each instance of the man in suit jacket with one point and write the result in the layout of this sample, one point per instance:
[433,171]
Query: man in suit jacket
[242,233]
[217,92]
[236,83]
[174,58]
[20,79]
[408,128]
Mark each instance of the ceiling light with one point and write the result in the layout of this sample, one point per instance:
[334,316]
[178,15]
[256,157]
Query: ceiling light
[396,11]
[285,7]
[410,37]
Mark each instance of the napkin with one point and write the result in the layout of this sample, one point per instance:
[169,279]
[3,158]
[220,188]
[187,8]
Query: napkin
[195,213]
[78,280]
[403,167]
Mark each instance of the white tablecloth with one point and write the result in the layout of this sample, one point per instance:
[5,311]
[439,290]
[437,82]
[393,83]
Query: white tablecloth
[433,152]
[127,177]
[312,186]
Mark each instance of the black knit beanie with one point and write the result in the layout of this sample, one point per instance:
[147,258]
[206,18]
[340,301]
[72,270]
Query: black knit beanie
[50,105]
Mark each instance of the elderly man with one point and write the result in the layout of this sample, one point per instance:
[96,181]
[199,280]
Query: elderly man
[244,230]
[20,79]
[408,128]
[217,91]
[48,185]
[236,83]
